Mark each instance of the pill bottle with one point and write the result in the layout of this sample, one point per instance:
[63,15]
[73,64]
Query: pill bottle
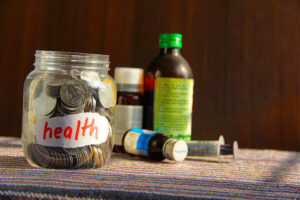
[152,145]
[129,108]
[68,111]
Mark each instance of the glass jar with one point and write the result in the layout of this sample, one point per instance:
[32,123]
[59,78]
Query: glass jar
[68,111]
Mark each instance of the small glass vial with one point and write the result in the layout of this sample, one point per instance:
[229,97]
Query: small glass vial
[129,108]
[153,145]
[68,111]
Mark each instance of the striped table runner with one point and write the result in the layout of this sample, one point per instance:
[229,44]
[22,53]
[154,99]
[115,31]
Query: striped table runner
[258,174]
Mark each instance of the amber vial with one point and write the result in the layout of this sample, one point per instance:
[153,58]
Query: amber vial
[153,145]
[129,108]
[168,91]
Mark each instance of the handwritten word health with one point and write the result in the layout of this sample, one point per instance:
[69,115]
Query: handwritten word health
[73,131]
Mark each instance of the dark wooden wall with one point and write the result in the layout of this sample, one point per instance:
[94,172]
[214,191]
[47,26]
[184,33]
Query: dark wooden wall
[245,56]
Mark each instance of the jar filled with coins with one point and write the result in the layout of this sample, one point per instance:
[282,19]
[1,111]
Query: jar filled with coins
[68,111]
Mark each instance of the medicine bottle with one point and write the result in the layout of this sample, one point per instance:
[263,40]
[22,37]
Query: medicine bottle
[169,90]
[153,145]
[68,111]
[129,108]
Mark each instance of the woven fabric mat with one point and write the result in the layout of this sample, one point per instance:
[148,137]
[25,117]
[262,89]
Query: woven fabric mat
[257,174]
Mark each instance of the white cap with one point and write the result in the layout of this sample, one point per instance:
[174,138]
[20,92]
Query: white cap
[175,149]
[129,75]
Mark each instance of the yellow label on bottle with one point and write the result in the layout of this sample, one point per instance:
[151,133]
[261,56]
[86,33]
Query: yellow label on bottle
[173,103]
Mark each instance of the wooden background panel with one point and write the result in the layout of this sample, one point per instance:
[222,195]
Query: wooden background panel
[245,56]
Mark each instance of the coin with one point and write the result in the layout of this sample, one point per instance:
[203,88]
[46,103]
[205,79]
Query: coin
[73,93]
[109,114]
[39,155]
[78,156]
[75,73]
[44,105]
[91,77]
[59,159]
[75,151]
[107,93]
[56,158]
[90,105]
[106,112]
[55,112]
[101,110]
[97,157]
[65,158]
[65,110]
[52,88]
[69,160]
[86,158]
[53,157]
[33,93]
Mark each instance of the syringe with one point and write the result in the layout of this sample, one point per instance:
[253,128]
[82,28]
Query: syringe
[213,148]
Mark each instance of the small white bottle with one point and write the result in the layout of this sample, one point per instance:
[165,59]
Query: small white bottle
[129,108]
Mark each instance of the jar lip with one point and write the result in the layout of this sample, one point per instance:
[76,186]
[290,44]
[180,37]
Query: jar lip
[64,58]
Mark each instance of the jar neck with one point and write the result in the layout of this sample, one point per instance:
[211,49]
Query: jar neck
[164,51]
[56,60]
[59,67]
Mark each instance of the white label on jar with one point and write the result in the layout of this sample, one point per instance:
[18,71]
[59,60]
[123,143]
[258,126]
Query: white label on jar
[127,117]
[72,131]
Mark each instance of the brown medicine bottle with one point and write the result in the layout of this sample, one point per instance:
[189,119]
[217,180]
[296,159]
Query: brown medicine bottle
[168,91]
[129,108]
[153,145]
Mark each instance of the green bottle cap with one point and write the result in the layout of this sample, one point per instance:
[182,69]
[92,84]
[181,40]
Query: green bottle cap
[170,40]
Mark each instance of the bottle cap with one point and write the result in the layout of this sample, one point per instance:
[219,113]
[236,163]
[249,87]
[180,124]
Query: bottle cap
[129,79]
[175,149]
[170,40]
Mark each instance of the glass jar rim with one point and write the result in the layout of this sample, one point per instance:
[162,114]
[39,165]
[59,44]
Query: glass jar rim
[73,59]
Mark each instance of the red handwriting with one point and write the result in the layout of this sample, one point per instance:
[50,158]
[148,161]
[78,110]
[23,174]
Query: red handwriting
[68,131]
[91,127]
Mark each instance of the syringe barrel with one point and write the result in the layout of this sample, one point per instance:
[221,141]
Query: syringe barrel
[197,148]
[205,147]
